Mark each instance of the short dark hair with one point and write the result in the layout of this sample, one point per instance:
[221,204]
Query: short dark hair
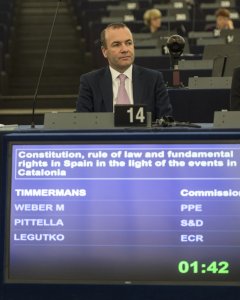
[114,26]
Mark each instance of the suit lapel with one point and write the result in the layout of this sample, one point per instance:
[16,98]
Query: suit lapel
[138,85]
[106,90]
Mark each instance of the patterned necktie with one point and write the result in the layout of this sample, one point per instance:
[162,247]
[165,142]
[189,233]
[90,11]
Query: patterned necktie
[122,96]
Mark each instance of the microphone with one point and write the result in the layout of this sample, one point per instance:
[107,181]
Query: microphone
[43,64]
[176,44]
[168,121]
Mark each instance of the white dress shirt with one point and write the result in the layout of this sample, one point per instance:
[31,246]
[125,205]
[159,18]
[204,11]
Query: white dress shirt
[116,83]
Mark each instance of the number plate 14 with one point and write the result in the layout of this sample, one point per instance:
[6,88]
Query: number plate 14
[130,115]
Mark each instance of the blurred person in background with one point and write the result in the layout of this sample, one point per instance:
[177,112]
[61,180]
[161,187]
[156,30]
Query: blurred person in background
[153,21]
[223,20]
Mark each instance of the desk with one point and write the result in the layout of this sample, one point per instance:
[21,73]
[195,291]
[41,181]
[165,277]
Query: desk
[184,75]
[198,106]
[188,105]
[161,61]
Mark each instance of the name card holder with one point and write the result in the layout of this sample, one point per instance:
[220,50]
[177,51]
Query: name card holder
[226,119]
[209,82]
[78,120]
[126,115]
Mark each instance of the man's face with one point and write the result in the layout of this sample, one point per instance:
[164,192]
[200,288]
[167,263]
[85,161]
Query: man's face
[119,49]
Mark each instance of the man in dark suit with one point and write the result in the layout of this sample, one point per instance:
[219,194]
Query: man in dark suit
[235,90]
[99,89]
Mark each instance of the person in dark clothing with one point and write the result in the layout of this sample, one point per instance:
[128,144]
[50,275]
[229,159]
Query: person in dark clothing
[99,89]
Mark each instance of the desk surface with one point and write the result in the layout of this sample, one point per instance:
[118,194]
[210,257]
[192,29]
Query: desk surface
[187,130]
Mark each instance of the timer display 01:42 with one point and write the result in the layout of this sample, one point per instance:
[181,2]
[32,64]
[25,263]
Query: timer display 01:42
[196,267]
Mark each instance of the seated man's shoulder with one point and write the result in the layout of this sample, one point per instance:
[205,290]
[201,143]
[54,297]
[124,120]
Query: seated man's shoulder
[94,73]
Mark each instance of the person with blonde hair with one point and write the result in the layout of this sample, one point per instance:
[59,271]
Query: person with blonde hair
[153,20]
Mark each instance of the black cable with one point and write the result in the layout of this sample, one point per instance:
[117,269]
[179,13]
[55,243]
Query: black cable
[42,66]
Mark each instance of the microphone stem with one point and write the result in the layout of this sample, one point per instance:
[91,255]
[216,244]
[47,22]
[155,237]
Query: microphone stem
[43,64]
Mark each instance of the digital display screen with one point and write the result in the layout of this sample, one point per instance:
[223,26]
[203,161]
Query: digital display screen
[125,213]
